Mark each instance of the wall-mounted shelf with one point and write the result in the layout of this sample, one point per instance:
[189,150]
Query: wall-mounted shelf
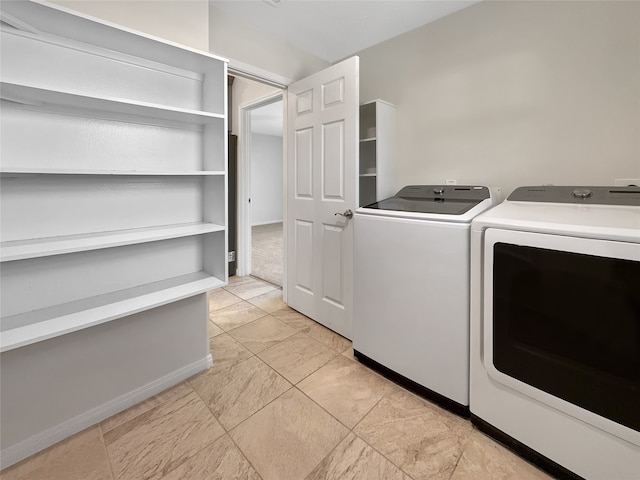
[19,172]
[116,108]
[32,327]
[57,20]
[43,247]
[113,221]
[377,151]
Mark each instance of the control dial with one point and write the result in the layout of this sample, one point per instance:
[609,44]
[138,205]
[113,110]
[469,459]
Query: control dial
[582,193]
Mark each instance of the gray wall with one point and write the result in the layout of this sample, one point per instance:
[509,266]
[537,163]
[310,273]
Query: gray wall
[266,179]
[500,93]
[182,22]
[238,41]
[514,93]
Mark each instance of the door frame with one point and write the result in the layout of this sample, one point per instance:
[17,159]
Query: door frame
[244,181]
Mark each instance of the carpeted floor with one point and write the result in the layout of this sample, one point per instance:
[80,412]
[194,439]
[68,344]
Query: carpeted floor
[266,252]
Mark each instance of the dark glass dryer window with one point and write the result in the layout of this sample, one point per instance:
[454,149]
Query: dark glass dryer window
[569,324]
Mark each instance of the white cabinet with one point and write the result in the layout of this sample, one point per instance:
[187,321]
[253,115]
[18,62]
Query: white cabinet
[377,151]
[113,175]
[113,189]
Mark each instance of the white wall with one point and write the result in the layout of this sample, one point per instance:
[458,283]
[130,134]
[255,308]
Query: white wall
[245,92]
[181,21]
[266,179]
[236,40]
[515,93]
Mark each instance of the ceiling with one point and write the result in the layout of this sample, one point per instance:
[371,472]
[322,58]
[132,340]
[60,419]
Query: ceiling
[336,29]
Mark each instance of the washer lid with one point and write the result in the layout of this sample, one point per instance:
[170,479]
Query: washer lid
[438,199]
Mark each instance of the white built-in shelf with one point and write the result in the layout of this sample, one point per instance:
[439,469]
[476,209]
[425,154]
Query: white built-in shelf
[43,247]
[32,327]
[57,20]
[18,172]
[121,109]
[377,151]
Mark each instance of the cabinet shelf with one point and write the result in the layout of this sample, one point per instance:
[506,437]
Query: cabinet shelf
[32,327]
[43,247]
[114,209]
[57,20]
[377,151]
[117,108]
[18,172]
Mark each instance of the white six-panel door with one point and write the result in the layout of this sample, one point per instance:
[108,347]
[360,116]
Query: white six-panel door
[322,158]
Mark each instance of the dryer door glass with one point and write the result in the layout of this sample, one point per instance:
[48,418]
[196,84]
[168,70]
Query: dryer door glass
[569,324]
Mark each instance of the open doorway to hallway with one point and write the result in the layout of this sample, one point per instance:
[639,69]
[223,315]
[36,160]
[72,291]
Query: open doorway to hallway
[266,194]
[257,118]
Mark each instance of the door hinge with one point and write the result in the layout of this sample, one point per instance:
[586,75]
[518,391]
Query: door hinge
[231,256]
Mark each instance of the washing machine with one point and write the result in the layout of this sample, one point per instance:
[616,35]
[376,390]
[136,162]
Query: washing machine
[411,288]
[555,328]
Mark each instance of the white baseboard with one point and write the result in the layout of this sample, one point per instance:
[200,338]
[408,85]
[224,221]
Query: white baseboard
[53,435]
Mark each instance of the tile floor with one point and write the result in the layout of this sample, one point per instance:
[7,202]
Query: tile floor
[285,399]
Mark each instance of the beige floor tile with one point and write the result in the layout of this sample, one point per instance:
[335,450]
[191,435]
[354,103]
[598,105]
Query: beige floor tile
[156,442]
[236,315]
[349,354]
[169,395]
[289,437]
[269,302]
[329,338]
[346,389]
[226,352]
[262,333]
[297,357]
[249,287]
[484,459]
[353,459]
[235,279]
[295,319]
[423,440]
[220,298]
[237,392]
[214,330]
[79,457]
[220,461]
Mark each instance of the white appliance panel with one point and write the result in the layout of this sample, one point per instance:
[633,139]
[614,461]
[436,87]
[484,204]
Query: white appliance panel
[418,324]
[599,248]
[578,440]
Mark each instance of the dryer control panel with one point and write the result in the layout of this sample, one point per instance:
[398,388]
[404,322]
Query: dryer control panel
[629,196]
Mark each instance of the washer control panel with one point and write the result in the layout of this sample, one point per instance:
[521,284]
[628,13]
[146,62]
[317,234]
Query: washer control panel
[453,192]
[581,195]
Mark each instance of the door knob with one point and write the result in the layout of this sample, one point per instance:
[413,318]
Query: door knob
[347,213]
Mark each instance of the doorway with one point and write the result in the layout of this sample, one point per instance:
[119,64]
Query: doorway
[266,192]
[259,124]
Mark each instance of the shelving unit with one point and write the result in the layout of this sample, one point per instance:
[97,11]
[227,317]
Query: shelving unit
[113,205]
[118,109]
[37,326]
[377,151]
[17,172]
[43,247]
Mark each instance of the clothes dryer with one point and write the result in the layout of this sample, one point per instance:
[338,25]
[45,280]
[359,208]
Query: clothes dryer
[555,328]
